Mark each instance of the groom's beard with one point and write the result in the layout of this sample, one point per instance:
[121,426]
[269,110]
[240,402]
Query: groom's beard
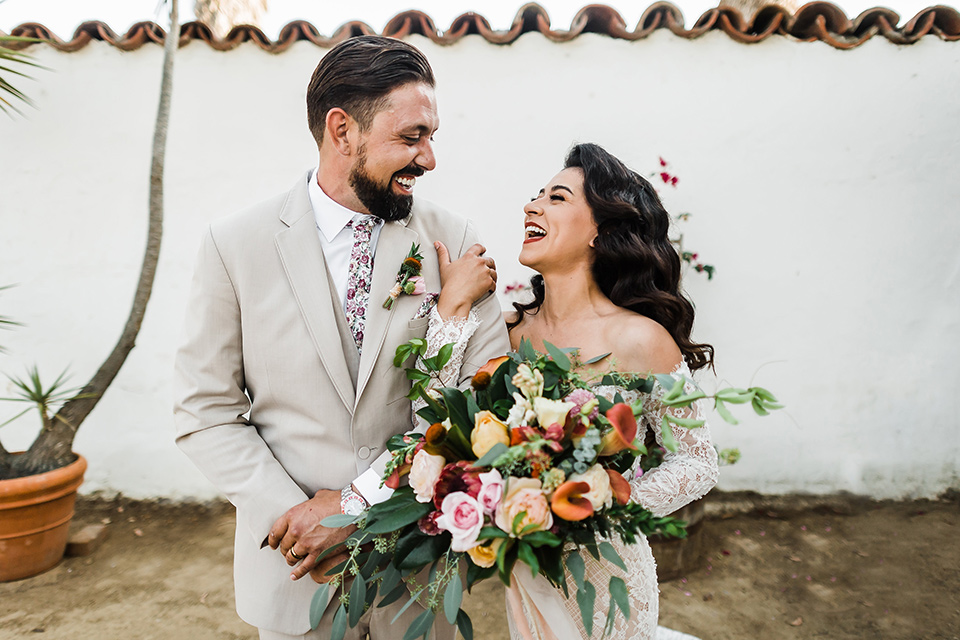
[379,200]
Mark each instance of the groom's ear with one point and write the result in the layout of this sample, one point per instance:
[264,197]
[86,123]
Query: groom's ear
[337,130]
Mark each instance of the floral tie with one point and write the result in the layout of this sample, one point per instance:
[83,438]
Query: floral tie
[358,280]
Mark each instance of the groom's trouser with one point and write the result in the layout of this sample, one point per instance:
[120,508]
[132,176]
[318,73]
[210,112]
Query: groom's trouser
[376,622]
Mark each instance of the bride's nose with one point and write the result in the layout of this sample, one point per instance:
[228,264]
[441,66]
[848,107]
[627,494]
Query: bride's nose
[532,208]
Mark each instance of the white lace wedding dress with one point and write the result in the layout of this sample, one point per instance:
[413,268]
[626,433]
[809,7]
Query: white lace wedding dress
[683,476]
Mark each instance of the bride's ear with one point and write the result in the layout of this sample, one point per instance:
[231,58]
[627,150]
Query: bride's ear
[592,242]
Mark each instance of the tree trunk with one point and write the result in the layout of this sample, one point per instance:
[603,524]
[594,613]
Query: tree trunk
[53,447]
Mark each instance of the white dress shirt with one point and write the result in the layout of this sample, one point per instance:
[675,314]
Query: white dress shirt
[335,238]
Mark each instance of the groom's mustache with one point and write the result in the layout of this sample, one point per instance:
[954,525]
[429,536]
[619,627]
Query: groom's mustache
[411,170]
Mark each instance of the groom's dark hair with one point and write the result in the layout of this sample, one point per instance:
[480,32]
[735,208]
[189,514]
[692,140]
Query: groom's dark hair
[357,74]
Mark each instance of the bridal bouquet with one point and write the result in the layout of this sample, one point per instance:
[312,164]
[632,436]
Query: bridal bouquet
[524,467]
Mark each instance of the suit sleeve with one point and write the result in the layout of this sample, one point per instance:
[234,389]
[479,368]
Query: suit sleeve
[211,404]
[490,339]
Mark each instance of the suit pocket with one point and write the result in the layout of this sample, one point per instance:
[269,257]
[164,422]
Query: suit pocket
[418,326]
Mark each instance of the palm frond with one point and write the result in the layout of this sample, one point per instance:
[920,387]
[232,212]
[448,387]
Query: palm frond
[9,93]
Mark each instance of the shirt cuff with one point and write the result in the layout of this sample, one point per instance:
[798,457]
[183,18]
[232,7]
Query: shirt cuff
[368,486]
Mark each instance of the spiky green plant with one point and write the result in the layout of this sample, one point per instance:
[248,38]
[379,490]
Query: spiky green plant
[10,59]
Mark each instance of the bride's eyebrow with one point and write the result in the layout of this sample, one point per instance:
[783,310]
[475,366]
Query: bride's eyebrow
[557,187]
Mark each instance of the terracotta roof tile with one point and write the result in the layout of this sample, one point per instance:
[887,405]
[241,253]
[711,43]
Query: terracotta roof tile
[822,21]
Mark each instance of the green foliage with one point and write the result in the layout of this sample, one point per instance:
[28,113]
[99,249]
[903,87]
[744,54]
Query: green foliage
[9,60]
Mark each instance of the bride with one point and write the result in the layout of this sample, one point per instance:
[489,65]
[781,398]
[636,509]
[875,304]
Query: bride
[608,283]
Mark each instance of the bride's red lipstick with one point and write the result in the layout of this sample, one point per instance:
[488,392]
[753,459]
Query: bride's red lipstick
[532,238]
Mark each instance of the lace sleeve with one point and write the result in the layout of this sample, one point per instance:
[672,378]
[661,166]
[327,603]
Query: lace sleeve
[455,330]
[685,474]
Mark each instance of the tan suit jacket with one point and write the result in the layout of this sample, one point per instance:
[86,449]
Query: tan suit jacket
[265,405]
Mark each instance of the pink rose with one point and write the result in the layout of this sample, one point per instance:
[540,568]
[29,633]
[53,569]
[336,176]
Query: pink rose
[419,285]
[424,474]
[524,495]
[462,516]
[491,490]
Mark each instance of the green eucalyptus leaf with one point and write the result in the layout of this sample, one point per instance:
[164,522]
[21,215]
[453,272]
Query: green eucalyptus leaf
[465,625]
[666,433]
[608,552]
[420,625]
[337,521]
[358,594]
[318,604]
[596,359]
[452,598]
[586,596]
[576,567]
[559,357]
[618,594]
[724,412]
[339,626]
[395,594]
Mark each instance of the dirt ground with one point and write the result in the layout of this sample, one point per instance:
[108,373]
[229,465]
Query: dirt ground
[844,569]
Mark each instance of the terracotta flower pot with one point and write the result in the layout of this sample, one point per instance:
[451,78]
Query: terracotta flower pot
[678,557]
[35,514]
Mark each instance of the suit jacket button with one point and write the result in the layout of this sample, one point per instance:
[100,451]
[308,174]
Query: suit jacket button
[364,453]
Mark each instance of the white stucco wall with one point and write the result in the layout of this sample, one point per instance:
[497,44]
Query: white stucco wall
[823,185]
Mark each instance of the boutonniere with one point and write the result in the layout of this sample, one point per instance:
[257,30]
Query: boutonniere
[409,280]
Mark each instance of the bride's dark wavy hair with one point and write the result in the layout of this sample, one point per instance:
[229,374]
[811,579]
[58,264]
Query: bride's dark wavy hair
[634,263]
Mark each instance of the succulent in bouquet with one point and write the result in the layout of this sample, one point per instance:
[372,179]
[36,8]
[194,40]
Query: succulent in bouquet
[526,466]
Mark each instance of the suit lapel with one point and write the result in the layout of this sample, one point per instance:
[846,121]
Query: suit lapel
[303,263]
[392,248]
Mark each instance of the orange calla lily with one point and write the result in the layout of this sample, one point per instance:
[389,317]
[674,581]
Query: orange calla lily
[484,374]
[568,502]
[624,431]
[619,486]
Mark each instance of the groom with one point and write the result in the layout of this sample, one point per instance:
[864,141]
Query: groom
[285,386]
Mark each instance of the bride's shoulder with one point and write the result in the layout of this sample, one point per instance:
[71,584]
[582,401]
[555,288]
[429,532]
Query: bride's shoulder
[642,344]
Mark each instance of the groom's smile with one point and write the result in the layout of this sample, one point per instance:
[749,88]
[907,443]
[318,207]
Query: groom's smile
[397,148]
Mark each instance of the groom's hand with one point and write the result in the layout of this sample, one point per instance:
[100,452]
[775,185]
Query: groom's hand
[300,537]
[465,280]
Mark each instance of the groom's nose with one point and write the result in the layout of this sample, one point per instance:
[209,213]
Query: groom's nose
[425,158]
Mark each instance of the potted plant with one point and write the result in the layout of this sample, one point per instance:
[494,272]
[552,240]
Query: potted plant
[38,486]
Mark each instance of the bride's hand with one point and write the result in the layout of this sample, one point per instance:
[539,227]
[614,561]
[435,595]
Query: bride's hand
[465,280]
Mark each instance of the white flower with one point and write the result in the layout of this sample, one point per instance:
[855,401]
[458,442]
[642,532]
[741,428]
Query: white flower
[551,411]
[424,474]
[521,413]
[529,381]
[600,494]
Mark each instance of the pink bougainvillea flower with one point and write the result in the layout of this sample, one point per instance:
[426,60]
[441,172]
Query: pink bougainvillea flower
[568,501]
[619,486]
[663,162]
[624,430]
[665,176]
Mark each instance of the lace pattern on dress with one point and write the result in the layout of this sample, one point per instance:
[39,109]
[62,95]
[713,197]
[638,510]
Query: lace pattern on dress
[455,330]
[684,475]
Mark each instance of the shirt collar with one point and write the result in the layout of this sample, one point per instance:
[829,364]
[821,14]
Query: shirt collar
[331,216]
